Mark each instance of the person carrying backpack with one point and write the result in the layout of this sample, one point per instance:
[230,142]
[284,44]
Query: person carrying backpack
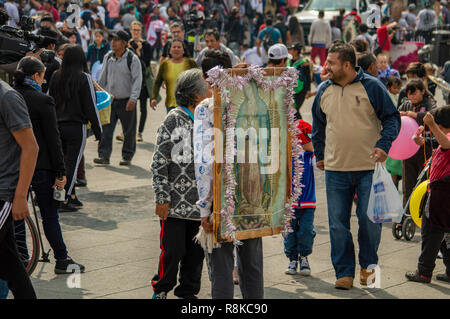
[121,76]
[267,37]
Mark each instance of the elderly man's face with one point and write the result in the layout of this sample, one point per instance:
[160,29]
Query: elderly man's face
[118,45]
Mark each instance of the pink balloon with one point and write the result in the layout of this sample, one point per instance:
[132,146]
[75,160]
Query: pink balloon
[404,146]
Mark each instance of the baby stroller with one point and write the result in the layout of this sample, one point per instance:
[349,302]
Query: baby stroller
[407,228]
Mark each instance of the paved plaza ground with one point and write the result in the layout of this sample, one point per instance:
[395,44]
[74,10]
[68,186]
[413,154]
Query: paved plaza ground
[116,236]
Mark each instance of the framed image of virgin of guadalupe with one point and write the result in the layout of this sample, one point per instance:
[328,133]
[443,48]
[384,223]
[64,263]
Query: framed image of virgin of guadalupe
[254,130]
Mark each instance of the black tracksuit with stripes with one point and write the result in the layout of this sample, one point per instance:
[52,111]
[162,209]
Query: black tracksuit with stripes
[73,116]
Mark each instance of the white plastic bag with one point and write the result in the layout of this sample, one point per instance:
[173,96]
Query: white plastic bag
[385,205]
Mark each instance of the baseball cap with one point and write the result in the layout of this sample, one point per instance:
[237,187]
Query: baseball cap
[121,35]
[278,51]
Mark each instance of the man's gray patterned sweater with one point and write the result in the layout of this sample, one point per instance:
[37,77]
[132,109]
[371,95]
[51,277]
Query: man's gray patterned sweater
[173,166]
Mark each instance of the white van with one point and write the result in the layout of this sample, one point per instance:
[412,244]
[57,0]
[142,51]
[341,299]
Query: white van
[331,7]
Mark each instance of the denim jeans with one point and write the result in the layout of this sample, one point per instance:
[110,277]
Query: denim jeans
[42,185]
[341,188]
[300,241]
[3,289]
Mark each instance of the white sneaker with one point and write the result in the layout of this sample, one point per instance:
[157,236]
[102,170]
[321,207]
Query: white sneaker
[292,268]
[305,269]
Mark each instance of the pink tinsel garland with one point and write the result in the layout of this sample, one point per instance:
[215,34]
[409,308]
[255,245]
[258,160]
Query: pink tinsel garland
[221,79]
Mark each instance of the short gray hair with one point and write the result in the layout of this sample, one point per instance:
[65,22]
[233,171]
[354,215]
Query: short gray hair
[190,84]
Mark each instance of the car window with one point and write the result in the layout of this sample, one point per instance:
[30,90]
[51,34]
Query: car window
[362,6]
[331,5]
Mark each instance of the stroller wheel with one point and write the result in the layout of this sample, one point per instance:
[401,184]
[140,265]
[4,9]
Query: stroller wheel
[397,231]
[409,229]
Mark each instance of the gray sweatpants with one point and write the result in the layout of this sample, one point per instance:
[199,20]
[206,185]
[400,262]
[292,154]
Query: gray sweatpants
[250,269]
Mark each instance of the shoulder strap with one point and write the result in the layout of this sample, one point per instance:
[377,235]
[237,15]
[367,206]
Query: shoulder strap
[268,34]
[109,55]
[130,59]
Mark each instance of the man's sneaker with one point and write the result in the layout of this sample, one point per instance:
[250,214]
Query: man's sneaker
[443,277]
[417,277]
[139,138]
[66,208]
[161,295]
[81,182]
[292,268]
[193,297]
[68,266]
[101,160]
[364,275]
[75,202]
[344,283]
[119,138]
[305,269]
[125,163]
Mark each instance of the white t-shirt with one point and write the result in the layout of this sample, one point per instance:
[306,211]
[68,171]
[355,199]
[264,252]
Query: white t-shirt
[13,13]
[101,13]
[251,57]
[426,20]
[85,37]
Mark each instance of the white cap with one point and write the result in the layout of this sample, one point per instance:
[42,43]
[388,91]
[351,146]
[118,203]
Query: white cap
[278,51]
[59,25]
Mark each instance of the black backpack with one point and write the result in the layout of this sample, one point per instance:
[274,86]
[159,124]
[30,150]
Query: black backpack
[129,58]
[147,74]
[268,40]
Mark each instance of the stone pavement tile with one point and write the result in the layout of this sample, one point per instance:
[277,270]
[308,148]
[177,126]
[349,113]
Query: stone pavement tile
[311,288]
[146,228]
[119,253]
[64,293]
[413,290]
[137,293]
[83,239]
[106,281]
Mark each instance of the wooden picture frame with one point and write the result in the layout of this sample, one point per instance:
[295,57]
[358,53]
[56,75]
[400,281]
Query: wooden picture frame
[218,175]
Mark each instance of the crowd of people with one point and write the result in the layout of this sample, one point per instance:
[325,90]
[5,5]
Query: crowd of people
[135,49]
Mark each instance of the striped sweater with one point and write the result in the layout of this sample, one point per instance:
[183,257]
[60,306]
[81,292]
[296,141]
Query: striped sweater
[173,166]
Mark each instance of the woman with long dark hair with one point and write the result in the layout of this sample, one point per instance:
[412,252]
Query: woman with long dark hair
[50,170]
[73,90]
[296,30]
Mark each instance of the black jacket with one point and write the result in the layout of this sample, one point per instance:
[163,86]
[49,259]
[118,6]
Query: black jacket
[41,108]
[81,108]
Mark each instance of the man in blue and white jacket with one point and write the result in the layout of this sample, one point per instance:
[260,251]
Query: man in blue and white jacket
[354,125]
